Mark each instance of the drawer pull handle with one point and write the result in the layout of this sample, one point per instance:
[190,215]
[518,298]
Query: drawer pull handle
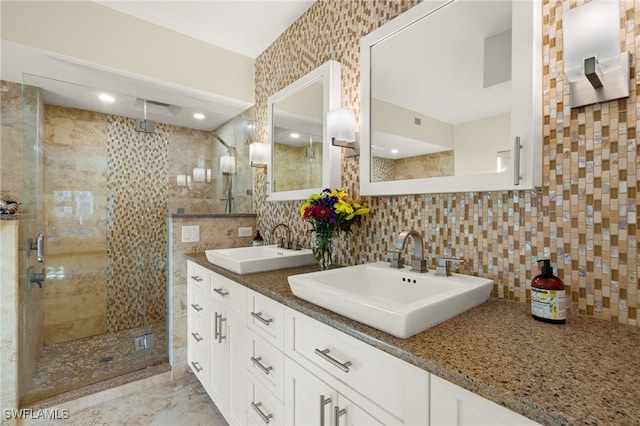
[197,337]
[221,291]
[337,412]
[257,363]
[258,316]
[196,278]
[344,366]
[197,307]
[265,417]
[196,366]
[323,402]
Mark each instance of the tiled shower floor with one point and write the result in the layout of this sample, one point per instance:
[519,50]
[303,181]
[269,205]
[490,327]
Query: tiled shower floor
[71,365]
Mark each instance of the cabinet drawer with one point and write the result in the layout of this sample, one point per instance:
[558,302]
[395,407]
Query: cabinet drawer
[266,318]
[197,304]
[263,407]
[228,292]
[266,363]
[384,379]
[198,276]
[199,350]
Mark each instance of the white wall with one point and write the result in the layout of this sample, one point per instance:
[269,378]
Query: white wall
[100,35]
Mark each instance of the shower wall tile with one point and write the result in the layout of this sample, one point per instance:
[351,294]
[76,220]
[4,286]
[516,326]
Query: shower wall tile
[137,166]
[76,222]
[11,139]
[584,217]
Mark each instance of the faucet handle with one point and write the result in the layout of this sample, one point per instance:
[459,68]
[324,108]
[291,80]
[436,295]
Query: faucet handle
[446,268]
[396,259]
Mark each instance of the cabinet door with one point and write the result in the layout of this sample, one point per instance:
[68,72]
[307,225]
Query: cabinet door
[348,413]
[219,358]
[236,341]
[308,400]
[455,406]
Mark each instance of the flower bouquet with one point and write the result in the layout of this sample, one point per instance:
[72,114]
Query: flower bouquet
[328,213]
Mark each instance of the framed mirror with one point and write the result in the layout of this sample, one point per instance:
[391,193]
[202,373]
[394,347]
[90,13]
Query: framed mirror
[451,99]
[302,160]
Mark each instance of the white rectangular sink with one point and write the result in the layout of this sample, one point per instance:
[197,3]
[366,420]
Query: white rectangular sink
[397,301]
[248,260]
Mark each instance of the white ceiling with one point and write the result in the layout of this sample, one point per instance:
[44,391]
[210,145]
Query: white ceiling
[244,27]
[247,27]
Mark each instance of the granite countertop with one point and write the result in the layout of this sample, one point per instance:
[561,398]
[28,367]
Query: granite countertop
[584,372]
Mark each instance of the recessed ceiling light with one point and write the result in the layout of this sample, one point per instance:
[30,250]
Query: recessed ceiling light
[106,98]
[198,116]
[295,135]
[394,151]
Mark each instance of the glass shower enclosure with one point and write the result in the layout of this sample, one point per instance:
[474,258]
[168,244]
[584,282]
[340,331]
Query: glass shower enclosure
[94,187]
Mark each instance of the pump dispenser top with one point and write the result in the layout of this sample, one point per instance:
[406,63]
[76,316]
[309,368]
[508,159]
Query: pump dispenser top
[548,299]
[547,270]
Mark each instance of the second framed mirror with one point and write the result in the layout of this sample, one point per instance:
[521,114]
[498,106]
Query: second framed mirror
[302,160]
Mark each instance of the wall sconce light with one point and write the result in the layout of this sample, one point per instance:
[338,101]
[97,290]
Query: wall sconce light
[341,125]
[258,155]
[228,163]
[593,63]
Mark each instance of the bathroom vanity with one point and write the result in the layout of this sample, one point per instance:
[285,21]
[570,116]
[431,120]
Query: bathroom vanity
[281,359]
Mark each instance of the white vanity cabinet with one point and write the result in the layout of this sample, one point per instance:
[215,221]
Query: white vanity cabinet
[266,364]
[217,308]
[455,406]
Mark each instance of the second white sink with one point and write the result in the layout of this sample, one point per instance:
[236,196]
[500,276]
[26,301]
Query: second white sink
[397,301]
[248,260]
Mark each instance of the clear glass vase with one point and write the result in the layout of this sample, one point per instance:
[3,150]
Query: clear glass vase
[322,247]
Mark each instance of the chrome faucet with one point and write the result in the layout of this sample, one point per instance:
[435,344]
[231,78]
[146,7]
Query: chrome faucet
[418,264]
[281,242]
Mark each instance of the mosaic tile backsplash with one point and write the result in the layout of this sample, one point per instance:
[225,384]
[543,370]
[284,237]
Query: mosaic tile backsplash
[584,217]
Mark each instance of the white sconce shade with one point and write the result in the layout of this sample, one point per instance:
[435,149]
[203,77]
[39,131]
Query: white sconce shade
[341,126]
[593,63]
[591,30]
[258,154]
[341,123]
[181,180]
[228,164]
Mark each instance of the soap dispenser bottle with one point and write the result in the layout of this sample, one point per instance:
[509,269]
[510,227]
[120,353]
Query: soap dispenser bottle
[258,240]
[548,299]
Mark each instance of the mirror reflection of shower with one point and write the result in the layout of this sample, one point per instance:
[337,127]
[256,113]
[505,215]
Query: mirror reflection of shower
[228,169]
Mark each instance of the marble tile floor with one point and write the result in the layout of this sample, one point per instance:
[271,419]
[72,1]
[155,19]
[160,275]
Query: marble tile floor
[66,366]
[153,401]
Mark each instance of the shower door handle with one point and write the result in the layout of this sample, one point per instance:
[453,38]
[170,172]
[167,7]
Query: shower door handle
[38,246]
